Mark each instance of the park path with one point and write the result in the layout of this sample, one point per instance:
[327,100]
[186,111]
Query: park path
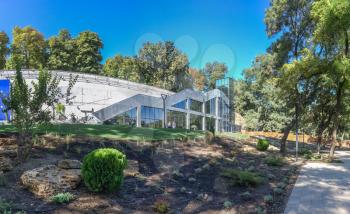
[322,188]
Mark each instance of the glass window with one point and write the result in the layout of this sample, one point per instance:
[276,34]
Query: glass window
[196,105]
[196,122]
[126,118]
[181,104]
[176,119]
[210,124]
[151,117]
[210,106]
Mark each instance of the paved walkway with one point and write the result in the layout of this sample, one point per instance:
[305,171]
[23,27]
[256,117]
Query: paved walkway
[322,188]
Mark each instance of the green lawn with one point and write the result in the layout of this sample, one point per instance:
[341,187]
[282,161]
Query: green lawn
[113,132]
[234,135]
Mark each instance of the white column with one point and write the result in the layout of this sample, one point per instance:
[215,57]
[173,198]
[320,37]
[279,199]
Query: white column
[188,114]
[204,113]
[138,116]
[217,114]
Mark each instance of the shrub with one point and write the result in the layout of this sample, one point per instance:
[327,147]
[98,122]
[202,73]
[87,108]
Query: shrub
[102,169]
[274,161]
[161,207]
[62,198]
[209,136]
[242,177]
[262,145]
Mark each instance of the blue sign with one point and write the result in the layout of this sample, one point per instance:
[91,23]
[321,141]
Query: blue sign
[4,92]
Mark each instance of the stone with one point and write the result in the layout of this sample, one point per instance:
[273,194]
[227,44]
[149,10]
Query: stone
[177,174]
[183,189]
[228,204]
[220,185]
[281,185]
[69,164]
[5,163]
[192,180]
[206,166]
[198,170]
[278,190]
[268,198]
[132,169]
[202,196]
[246,195]
[48,180]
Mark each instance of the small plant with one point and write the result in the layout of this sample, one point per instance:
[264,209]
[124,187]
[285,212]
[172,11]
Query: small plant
[262,145]
[161,207]
[274,161]
[242,177]
[4,205]
[268,198]
[228,204]
[102,169]
[62,198]
[2,179]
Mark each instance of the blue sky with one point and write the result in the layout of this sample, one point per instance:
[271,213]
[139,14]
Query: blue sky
[230,31]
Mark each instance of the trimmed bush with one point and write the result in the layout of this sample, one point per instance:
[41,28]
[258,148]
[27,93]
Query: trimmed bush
[242,177]
[262,145]
[102,169]
[274,161]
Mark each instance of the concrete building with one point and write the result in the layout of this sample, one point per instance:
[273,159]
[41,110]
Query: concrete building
[100,99]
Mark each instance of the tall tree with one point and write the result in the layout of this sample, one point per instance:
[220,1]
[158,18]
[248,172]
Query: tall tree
[122,67]
[198,79]
[29,47]
[163,65]
[214,71]
[88,52]
[4,50]
[291,21]
[332,34]
[62,50]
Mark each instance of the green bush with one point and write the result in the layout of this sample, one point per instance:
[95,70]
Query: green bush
[209,136]
[274,161]
[242,177]
[262,145]
[102,169]
[62,198]
[161,207]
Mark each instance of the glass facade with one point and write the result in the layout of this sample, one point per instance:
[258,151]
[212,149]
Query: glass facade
[181,105]
[4,92]
[151,117]
[196,105]
[210,106]
[196,122]
[126,118]
[176,119]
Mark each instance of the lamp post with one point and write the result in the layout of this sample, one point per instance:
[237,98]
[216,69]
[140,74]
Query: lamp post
[164,96]
[297,122]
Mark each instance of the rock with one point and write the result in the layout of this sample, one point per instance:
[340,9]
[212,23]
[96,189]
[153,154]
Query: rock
[177,174]
[206,166]
[271,176]
[132,168]
[228,204]
[48,180]
[246,195]
[192,180]
[198,170]
[69,164]
[183,189]
[268,198]
[281,185]
[202,196]
[5,163]
[220,185]
[251,168]
[278,190]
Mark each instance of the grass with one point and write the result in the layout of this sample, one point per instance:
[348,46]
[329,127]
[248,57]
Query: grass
[274,161]
[242,177]
[234,135]
[113,132]
[62,198]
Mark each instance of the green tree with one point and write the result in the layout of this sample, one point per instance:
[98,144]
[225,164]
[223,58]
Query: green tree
[290,21]
[163,65]
[122,67]
[29,47]
[257,96]
[4,50]
[88,55]
[62,50]
[31,105]
[214,71]
[198,79]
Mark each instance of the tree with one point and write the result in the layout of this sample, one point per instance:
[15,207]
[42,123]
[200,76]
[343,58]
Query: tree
[88,55]
[214,71]
[62,50]
[163,65]
[257,96]
[198,79]
[291,21]
[4,50]
[126,68]
[31,105]
[29,47]
[332,35]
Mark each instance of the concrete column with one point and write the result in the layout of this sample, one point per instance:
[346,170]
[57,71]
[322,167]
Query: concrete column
[188,114]
[204,118]
[217,114]
[138,116]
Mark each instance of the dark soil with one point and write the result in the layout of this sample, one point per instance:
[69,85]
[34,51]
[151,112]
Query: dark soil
[164,175]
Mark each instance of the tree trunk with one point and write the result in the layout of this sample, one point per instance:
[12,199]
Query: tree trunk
[334,142]
[24,143]
[285,136]
[319,142]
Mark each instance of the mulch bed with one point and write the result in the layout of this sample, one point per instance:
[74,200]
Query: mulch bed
[186,176]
